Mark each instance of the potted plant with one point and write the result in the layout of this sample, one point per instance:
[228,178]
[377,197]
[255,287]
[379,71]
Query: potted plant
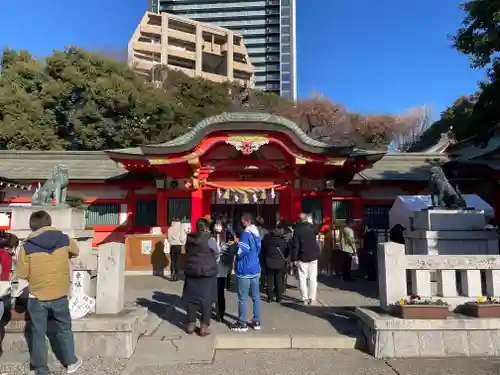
[483,308]
[76,201]
[414,307]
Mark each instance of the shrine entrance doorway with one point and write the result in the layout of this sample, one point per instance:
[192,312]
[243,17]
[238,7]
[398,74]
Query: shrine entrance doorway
[269,212]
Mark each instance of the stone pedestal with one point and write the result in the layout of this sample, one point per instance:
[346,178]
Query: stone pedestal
[449,232]
[110,297]
[70,221]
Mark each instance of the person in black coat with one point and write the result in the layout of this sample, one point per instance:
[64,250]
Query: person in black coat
[200,271]
[368,254]
[275,254]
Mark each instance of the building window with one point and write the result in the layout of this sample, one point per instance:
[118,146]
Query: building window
[285,21]
[341,210]
[377,217]
[285,77]
[285,39]
[145,213]
[285,49]
[286,67]
[285,86]
[285,58]
[313,206]
[179,208]
[103,214]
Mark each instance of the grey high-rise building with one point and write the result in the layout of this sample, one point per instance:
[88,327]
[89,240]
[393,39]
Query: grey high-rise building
[267,26]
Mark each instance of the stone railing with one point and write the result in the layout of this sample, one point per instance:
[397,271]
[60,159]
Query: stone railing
[393,282]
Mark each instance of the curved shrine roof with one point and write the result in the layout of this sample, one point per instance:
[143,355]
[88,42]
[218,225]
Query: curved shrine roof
[96,166]
[241,121]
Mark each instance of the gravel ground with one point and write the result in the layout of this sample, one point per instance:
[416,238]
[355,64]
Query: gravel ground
[279,362]
[289,362]
[94,366]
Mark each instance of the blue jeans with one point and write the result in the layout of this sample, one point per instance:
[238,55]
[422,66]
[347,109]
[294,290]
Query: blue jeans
[2,308]
[246,285]
[51,319]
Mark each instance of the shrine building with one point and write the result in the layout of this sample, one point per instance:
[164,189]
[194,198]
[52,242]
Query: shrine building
[226,165]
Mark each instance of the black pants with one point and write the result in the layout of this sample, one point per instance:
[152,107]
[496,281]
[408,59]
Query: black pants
[221,296]
[228,281]
[275,283]
[175,254]
[346,265]
[199,293]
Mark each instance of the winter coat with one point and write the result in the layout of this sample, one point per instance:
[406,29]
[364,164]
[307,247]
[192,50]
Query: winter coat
[200,259]
[274,251]
[304,245]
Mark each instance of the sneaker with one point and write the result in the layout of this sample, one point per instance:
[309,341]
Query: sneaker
[75,366]
[256,326]
[313,303]
[239,327]
[305,302]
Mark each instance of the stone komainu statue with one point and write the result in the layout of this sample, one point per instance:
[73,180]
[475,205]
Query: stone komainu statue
[440,188]
[55,188]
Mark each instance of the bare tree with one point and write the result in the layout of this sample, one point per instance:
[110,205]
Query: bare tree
[410,127]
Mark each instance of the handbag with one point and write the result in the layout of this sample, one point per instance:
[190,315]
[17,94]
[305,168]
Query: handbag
[227,255]
[354,262]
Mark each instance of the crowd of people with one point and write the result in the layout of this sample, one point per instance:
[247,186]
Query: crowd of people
[259,257]
[213,251]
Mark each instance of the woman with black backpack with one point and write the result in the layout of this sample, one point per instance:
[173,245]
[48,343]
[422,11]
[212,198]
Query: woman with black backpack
[275,255]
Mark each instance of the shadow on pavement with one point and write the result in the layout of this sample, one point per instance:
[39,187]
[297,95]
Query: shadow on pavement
[356,285]
[168,307]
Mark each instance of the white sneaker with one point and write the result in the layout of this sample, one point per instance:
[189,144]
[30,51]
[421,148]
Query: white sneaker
[305,301]
[75,366]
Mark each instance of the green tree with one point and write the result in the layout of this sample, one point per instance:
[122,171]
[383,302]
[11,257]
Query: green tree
[78,100]
[479,35]
[479,38]
[25,90]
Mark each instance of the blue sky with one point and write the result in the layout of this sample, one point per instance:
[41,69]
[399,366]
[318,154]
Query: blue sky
[372,56]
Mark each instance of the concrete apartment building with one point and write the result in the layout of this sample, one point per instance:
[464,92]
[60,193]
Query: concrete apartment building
[267,26]
[196,48]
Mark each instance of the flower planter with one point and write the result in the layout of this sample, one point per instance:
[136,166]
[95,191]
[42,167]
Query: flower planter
[482,310]
[422,311]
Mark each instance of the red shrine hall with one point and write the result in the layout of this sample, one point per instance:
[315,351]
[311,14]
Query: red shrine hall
[245,162]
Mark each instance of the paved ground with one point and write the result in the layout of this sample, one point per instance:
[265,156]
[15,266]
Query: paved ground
[337,299]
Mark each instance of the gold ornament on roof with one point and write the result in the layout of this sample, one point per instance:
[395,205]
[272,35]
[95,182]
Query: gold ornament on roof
[247,144]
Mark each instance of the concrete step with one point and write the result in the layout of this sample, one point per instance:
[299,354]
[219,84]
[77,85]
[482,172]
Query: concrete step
[257,340]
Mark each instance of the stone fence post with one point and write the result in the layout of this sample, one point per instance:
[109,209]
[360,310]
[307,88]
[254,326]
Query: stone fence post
[392,273]
[110,296]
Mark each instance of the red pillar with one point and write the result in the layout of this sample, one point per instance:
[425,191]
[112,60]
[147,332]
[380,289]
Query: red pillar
[358,213]
[196,206]
[327,211]
[131,206]
[207,203]
[161,208]
[295,203]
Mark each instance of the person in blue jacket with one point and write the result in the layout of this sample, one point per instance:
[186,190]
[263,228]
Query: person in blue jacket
[248,274]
